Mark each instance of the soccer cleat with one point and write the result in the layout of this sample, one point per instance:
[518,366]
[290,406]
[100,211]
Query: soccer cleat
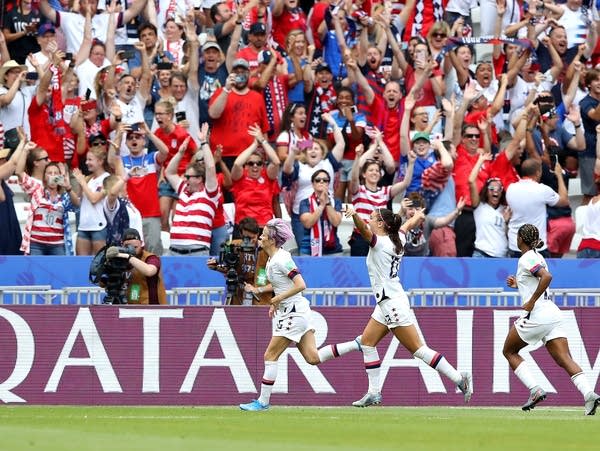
[536,395]
[466,385]
[592,404]
[357,340]
[370,399]
[254,406]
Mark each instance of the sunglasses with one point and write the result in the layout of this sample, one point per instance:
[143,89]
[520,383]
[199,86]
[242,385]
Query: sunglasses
[439,35]
[254,163]
[320,180]
[98,143]
[43,159]
[472,135]
[189,176]
[134,136]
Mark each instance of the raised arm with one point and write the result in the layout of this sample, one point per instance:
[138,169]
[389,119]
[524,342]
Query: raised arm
[340,144]
[360,225]
[210,169]
[483,157]
[171,171]
[48,11]
[273,167]
[237,170]
[400,187]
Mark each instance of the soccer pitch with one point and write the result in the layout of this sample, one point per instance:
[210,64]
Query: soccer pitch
[295,428]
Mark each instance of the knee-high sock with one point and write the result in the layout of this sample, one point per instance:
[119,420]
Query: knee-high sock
[437,361]
[582,384]
[337,350]
[524,375]
[268,381]
[372,367]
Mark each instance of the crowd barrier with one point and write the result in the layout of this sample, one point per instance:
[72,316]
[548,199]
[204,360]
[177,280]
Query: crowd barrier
[110,355]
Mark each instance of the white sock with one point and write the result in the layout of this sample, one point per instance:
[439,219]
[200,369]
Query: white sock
[268,381]
[372,367]
[525,376]
[337,350]
[438,362]
[582,384]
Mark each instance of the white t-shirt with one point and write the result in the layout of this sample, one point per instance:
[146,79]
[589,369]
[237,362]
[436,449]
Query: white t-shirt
[279,269]
[305,188]
[72,25]
[490,235]
[86,72]
[91,216]
[527,200]
[15,113]
[591,221]
[383,264]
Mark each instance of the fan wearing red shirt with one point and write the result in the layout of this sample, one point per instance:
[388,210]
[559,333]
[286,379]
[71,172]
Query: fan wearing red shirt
[233,109]
[287,16]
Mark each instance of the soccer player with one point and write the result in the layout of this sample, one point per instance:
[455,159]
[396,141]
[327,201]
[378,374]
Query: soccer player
[289,310]
[540,320]
[385,234]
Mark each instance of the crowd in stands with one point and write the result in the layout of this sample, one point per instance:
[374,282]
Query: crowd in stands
[154,114]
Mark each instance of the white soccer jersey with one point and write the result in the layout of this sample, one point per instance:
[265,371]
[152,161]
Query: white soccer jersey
[383,264]
[529,264]
[279,269]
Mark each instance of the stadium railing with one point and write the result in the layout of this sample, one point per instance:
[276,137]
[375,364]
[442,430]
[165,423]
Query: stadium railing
[326,297]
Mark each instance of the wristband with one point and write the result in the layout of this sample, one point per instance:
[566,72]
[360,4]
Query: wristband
[117,119]
[238,23]
[577,125]
[203,143]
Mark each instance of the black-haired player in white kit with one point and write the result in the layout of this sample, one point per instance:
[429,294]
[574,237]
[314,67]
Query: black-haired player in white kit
[540,320]
[385,234]
[289,310]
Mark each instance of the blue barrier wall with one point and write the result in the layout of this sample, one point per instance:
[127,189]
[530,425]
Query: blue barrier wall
[415,272]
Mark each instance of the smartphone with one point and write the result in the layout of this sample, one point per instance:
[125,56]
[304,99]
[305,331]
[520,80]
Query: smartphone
[164,66]
[304,144]
[68,56]
[354,109]
[59,179]
[180,116]
[88,93]
[31,76]
[127,54]
[135,127]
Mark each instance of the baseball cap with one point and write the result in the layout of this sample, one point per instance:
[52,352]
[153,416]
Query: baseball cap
[240,62]
[131,234]
[323,66]
[210,45]
[257,28]
[46,28]
[95,137]
[420,135]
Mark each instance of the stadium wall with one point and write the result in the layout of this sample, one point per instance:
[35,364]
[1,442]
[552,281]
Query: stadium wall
[415,272]
[109,355]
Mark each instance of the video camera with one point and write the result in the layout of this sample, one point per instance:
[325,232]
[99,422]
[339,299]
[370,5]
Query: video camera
[111,271]
[229,261]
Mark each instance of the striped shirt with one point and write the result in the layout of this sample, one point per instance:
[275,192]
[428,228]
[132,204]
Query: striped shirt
[365,200]
[193,219]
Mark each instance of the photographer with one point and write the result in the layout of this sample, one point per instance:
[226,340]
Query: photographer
[146,284]
[243,263]
[130,274]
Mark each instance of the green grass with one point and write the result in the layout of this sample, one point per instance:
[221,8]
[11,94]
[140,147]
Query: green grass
[295,428]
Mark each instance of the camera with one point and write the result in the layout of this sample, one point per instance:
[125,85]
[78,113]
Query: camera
[232,261]
[180,116]
[111,271]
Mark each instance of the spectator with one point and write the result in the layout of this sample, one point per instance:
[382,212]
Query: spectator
[320,98]
[298,59]
[212,74]
[141,170]
[293,130]
[320,215]
[72,23]
[152,47]
[173,42]
[417,238]
[14,98]
[589,247]
[198,199]
[255,189]
[91,233]
[10,238]
[490,212]
[119,212]
[20,27]
[287,16]
[47,231]
[46,35]
[234,108]
[173,136]
[528,198]
[146,284]
[590,115]
[224,21]
[257,41]
[367,195]
[302,163]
